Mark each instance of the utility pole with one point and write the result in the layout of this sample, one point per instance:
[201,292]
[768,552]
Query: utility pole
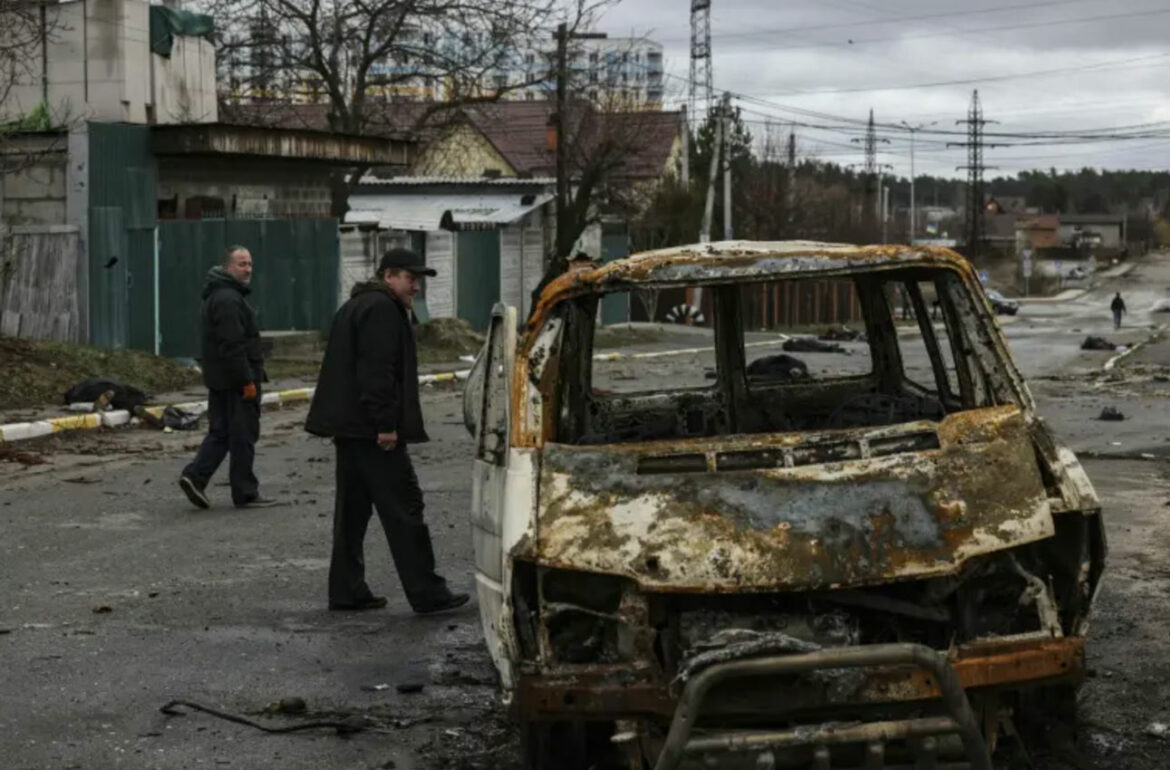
[685,137]
[725,123]
[885,199]
[913,200]
[709,206]
[975,168]
[564,244]
[791,197]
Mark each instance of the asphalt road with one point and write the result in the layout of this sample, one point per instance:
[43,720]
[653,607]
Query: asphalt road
[116,596]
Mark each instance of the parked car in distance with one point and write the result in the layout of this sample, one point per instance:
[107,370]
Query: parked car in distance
[1001,304]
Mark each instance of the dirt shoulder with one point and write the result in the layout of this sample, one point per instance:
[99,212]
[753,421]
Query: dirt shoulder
[38,373]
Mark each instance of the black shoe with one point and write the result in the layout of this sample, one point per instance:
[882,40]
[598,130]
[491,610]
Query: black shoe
[194,492]
[451,602]
[258,502]
[373,603]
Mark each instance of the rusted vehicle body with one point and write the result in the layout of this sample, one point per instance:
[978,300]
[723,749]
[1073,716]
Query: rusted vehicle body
[877,569]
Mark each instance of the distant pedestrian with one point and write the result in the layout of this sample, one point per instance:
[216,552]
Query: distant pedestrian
[1118,308]
[367,402]
[233,370]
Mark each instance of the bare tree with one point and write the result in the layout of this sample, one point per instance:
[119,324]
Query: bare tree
[355,56]
[616,153]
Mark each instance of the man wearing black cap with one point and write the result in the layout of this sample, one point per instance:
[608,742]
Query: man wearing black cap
[367,402]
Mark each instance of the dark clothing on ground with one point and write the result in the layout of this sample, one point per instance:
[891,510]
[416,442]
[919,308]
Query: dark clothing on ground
[232,358]
[369,378]
[125,396]
[232,354]
[368,476]
[233,426]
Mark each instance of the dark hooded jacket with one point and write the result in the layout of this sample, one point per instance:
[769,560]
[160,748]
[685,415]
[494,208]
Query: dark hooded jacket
[369,379]
[232,354]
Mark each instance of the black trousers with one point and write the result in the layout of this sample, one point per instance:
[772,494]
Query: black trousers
[233,426]
[370,478]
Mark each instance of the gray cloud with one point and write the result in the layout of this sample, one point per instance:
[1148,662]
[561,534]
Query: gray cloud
[1045,75]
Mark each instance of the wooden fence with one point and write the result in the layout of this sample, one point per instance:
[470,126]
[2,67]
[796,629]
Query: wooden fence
[38,283]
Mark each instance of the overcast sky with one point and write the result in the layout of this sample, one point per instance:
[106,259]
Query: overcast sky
[1039,65]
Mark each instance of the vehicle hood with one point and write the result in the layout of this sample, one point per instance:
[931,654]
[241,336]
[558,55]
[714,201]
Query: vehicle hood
[794,511]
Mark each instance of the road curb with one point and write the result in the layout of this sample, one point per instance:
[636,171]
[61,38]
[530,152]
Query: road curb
[22,431]
[1112,362]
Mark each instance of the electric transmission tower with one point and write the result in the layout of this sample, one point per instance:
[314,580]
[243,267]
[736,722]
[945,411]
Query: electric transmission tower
[702,81]
[976,232]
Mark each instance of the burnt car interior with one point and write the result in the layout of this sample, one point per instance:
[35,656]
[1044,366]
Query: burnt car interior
[945,367]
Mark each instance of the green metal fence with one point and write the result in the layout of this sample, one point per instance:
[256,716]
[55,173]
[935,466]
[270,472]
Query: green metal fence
[122,217]
[294,279]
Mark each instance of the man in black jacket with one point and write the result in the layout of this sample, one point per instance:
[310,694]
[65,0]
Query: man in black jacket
[367,401]
[233,369]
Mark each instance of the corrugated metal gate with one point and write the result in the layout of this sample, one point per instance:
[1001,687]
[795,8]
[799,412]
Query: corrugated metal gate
[122,218]
[296,270]
[477,282]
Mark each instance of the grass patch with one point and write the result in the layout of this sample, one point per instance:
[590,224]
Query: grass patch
[442,340]
[39,373]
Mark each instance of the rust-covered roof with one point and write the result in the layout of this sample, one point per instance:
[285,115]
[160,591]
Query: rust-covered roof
[747,261]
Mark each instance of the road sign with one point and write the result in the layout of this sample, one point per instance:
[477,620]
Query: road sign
[983,277]
[1027,264]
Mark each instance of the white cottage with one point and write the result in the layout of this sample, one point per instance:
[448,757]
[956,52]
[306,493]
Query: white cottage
[486,237]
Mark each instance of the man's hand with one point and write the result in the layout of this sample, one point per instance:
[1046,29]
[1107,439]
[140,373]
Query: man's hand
[387,441]
[250,391]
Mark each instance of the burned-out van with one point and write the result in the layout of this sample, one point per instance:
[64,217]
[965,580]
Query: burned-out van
[875,556]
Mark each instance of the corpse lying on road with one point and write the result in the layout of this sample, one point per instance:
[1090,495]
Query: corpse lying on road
[894,564]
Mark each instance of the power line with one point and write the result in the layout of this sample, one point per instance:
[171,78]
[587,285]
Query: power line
[889,20]
[985,79]
[1003,28]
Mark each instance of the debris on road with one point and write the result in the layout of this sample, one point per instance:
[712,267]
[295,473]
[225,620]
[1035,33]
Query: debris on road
[9,455]
[408,688]
[810,345]
[102,609]
[1158,729]
[842,334]
[375,687]
[293,705]
[1097,343]
[1111,414]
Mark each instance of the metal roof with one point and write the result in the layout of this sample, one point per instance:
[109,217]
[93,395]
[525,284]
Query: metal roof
[428,212]
[413,181]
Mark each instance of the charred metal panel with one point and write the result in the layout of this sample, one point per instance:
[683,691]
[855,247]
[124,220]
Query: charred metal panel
[854,522]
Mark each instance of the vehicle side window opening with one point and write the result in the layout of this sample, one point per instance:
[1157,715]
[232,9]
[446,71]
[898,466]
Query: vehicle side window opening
[492,440]
[951,351]
[939,353]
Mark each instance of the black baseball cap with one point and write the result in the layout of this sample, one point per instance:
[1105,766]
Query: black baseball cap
[404,259]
